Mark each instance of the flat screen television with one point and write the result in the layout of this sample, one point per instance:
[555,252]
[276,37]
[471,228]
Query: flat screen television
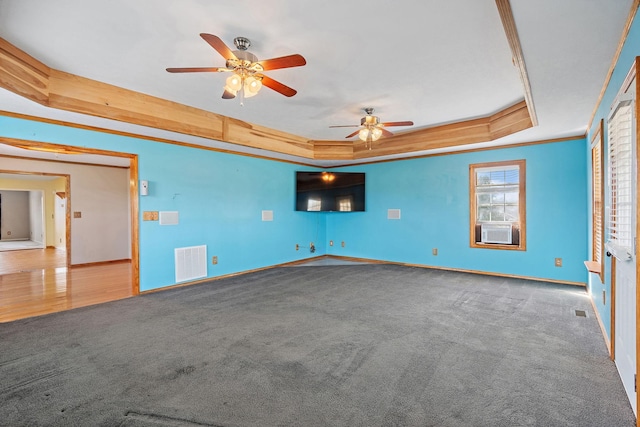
[330,191]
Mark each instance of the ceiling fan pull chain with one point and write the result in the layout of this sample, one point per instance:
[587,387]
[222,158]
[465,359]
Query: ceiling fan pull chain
[242,92]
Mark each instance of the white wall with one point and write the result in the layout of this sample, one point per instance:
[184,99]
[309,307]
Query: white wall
[36,225]
[14,224]
[59,218]
[101,195]
[48,187]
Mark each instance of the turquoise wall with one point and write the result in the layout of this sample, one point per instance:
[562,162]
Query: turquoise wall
[220,197]
[630,50]
[433,196]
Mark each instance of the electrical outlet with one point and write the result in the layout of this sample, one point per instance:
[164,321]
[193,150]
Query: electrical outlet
[297,247]
[77,214]
[330,242]
[558,262]
[343,244]
[8,233]
[214,260]
[434,251]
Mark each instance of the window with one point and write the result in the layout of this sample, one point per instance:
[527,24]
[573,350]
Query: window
[344,203]
[597,185]
[497,201]
[314,204]
[621,170]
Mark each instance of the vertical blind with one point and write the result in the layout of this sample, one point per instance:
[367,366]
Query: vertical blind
[621,176]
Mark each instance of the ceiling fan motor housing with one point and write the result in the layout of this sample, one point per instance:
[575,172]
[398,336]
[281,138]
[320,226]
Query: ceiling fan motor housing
[245,61]
[369,121]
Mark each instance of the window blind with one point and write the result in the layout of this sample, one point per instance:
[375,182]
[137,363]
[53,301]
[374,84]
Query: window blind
[596,155]
[621,169]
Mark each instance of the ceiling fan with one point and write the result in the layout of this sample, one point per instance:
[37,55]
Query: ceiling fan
[371,127]
[247,77]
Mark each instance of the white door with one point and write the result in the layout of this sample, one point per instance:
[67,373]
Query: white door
[622,237]
[625,339]
[60,215]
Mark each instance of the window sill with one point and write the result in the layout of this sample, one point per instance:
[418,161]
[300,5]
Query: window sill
[592,266]
[479,245]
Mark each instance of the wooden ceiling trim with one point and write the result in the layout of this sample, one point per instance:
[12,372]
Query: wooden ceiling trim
[510,120]
[255,136]
[505,122]
[22,74]
[34,80]
[509,24]
[27,77]
[333,150]
[81,95]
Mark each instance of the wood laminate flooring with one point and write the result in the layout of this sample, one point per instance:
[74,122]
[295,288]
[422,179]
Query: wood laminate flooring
[36,282]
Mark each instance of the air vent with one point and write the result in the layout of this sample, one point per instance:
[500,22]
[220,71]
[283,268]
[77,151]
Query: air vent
[393,214]
[191,263]
[581,313]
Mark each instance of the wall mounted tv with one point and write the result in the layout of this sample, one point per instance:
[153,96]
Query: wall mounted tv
[330,191]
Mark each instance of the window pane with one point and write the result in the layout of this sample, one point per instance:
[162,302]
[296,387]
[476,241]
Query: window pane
[512,176]
[511,197]
[497,213]
[511,213]
[484,213]
[497,198]
[483,178]
[497,177]
[484,199]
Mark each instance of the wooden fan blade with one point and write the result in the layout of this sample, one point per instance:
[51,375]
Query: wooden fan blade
[196,70]
[385,132]
[277,86]
[227,95]
[283,62]
[345,126]
[406,123]
[218,45]
[352,134]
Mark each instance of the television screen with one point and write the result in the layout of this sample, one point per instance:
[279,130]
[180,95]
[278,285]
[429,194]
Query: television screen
[330,191]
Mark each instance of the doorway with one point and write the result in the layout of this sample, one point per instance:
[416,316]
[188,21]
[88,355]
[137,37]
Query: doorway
[86,197]
[29,209]
[22,215]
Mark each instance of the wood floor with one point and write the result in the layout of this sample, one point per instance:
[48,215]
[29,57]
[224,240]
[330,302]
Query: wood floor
[36,281]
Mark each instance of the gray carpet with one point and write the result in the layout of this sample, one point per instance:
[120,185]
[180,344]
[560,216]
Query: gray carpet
[358,345]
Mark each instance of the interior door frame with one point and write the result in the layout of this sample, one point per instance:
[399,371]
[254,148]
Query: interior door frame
[634,70]
[133,193]
[42,214]
[624,87]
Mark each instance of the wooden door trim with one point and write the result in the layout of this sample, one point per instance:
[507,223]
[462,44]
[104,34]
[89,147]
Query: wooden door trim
[133,195]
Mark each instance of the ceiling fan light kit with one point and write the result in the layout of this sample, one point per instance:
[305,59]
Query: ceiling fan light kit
[372,129]
[246,78]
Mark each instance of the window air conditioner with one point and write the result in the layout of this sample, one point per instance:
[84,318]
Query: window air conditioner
[496,233]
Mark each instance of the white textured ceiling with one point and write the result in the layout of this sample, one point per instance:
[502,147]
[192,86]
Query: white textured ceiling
[428,61]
